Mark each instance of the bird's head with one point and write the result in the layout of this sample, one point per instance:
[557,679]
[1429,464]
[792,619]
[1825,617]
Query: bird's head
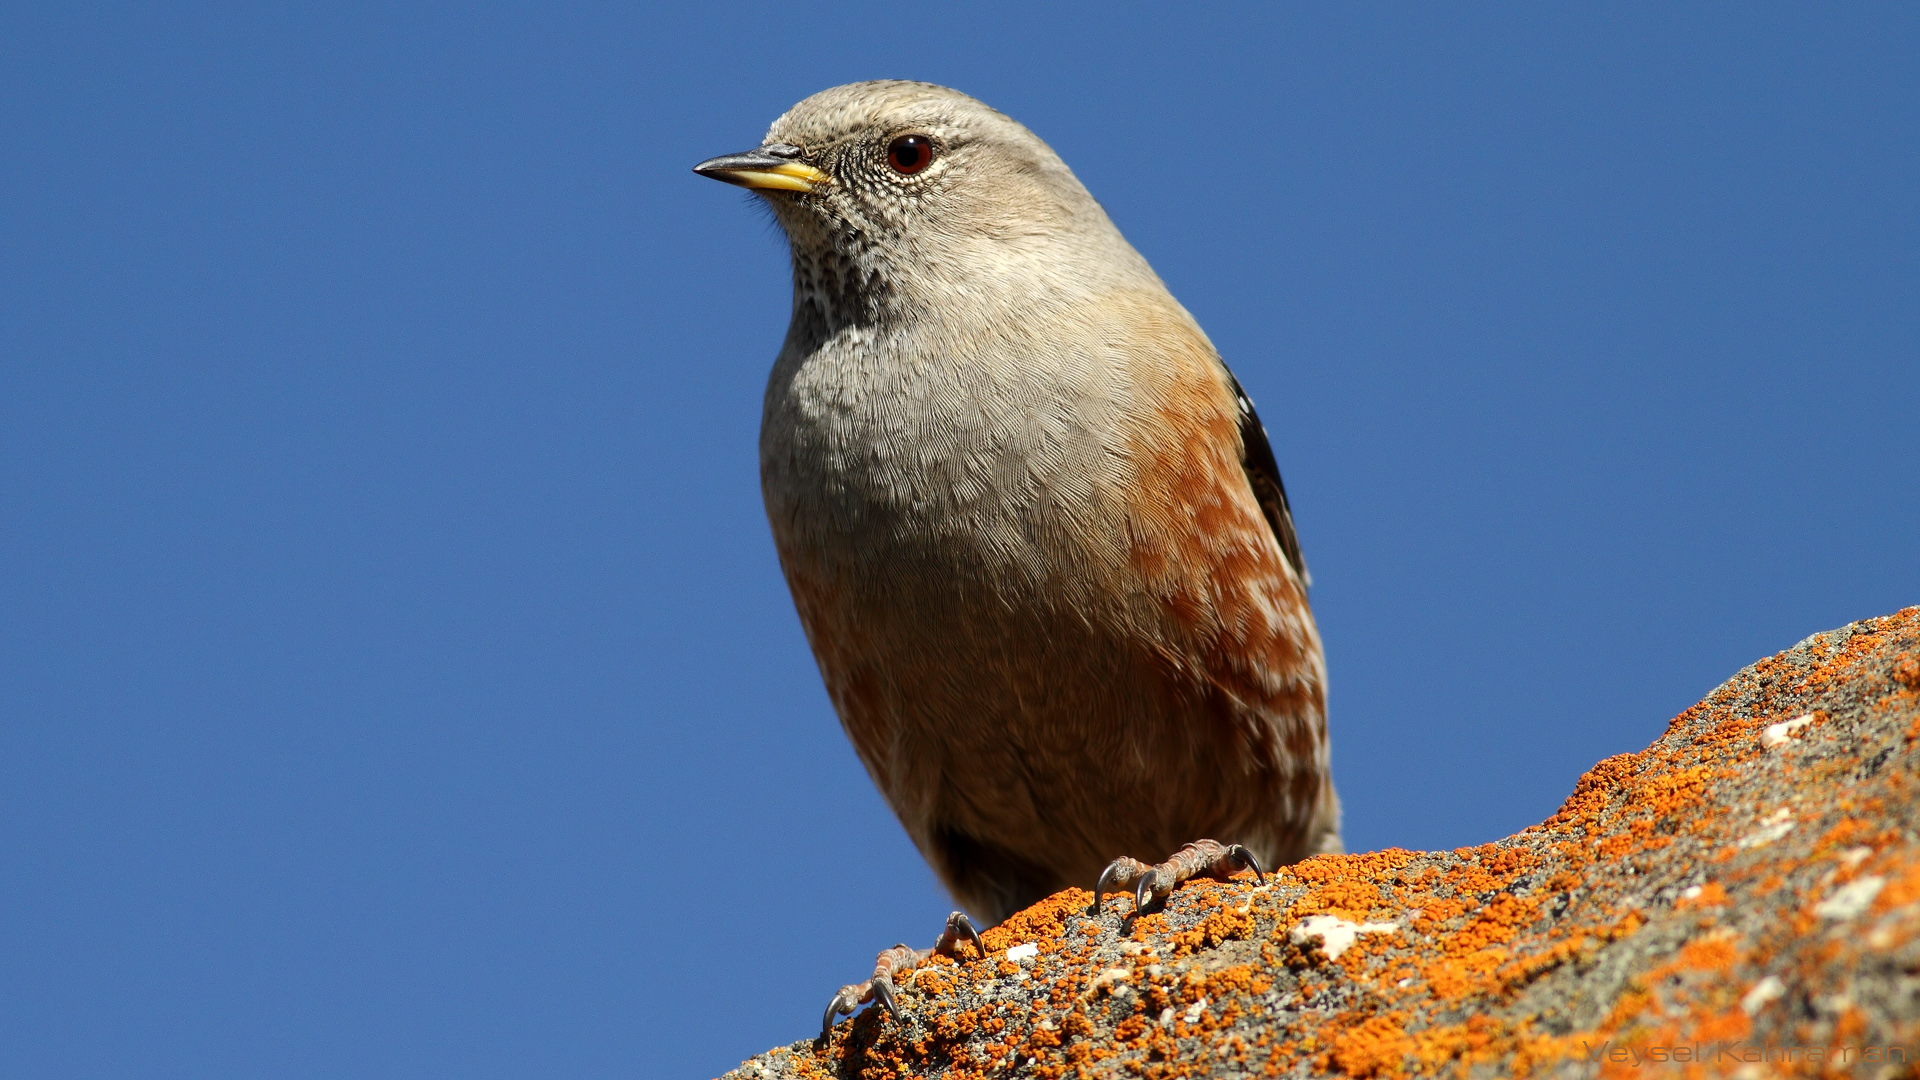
[897,193]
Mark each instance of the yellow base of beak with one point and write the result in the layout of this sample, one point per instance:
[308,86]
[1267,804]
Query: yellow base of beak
[785,176]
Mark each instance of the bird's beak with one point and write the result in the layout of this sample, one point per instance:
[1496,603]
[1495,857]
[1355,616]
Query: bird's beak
[763,170]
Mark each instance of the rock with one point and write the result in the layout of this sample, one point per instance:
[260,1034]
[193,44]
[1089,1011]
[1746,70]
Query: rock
[1741,898]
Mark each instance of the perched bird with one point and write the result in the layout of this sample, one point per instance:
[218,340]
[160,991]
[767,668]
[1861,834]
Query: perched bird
[1032,525]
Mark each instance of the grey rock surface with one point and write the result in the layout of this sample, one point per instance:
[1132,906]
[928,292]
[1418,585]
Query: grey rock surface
[1742,898]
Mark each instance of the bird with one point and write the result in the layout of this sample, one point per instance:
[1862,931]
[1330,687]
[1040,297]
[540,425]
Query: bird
[1033,528]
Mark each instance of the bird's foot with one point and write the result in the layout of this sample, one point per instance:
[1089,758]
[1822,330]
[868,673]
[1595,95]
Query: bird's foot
[895,962]
[1152,884]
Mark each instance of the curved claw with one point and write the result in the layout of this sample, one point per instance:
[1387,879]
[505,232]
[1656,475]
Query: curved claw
[843,1003]
[1100,888]
[1246,858]
[965,926]
[883,993]
[1142,893]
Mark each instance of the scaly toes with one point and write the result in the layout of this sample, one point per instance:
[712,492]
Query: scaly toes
[1119,874]
[1246,858]
[959,928]
[843,1004]
[1153,884]
[1154,887]
[896,961]
[879,988]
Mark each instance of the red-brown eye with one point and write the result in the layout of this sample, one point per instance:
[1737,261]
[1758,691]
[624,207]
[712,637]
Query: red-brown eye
[908,154]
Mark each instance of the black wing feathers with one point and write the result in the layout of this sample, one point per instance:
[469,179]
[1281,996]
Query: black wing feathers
[1256,456]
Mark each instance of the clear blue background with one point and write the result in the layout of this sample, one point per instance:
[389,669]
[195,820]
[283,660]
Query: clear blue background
[398,681]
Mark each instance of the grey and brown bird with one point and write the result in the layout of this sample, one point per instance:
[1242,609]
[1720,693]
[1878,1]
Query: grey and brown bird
[1032,525]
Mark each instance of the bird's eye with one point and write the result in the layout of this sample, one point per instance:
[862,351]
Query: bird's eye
[908,154]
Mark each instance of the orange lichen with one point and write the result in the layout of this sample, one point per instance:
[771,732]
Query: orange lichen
[1902,888]
[1478,935]
[1712,894]
[1672,792]
[1375,1046]
[1224,924]
[1349,899]
[1712,953]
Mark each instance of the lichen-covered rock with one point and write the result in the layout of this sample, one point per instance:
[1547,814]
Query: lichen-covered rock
[1741,898]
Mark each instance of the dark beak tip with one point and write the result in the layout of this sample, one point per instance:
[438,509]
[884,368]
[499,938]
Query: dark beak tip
[752,159]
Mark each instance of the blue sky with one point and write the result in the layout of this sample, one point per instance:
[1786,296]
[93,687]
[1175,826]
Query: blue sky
[397,677]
